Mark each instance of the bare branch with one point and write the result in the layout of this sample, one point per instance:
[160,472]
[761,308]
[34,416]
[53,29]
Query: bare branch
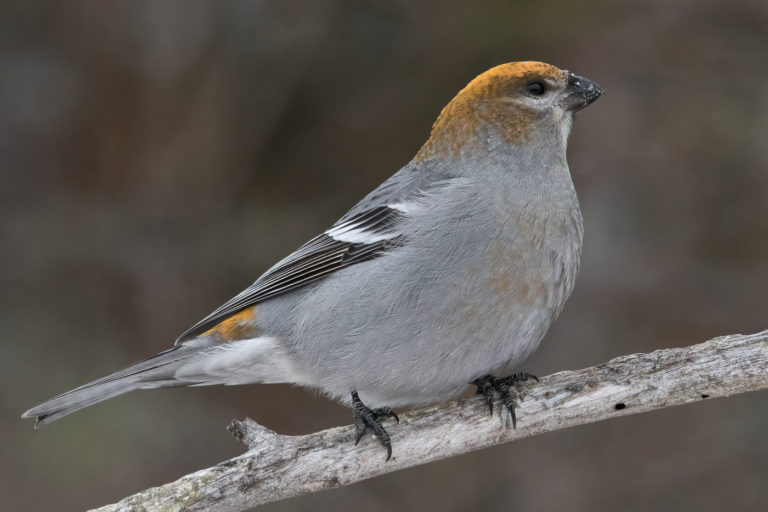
[279,467]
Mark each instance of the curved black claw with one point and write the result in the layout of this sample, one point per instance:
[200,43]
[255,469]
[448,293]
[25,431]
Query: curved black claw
[369,419]
[504,387]
[385,412]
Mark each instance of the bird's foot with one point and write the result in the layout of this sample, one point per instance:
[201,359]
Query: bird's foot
[369,419]
[504,386]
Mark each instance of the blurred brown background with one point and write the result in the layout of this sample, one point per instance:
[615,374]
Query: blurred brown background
[156,157]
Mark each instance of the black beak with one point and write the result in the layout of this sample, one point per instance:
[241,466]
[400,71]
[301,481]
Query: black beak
[580,92]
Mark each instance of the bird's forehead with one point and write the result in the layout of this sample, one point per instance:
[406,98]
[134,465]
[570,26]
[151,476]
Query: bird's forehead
[500,78]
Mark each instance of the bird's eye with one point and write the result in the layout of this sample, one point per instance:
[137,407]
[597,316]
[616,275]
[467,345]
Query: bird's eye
[536,88]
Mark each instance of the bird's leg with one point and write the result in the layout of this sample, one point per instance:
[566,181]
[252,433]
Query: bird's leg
[369,419]
[504,386]
[485,388]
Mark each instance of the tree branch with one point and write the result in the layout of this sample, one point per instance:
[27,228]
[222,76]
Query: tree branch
[278,467]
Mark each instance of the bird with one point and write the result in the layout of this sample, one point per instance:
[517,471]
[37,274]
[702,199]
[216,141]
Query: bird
[446,275]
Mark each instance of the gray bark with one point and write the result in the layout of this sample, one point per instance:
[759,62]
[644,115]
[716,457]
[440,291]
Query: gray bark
[277,467]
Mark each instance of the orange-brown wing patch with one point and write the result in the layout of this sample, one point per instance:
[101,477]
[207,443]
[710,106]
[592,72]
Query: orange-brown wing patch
[240,326]
[456,128]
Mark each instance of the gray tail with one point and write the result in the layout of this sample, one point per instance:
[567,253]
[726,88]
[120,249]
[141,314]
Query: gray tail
[157,371]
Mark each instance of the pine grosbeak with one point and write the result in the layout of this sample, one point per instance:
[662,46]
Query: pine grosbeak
[448,273]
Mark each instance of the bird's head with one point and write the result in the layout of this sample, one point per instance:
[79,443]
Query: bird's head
[515,104]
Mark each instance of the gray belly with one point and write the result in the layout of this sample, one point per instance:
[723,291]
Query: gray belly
[409,328]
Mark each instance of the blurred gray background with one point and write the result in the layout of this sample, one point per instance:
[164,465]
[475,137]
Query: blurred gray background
[156,157]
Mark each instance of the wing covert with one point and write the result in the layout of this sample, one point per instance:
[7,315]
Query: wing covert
[353,239]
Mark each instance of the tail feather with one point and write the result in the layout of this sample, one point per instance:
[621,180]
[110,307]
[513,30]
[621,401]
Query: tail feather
[157,371]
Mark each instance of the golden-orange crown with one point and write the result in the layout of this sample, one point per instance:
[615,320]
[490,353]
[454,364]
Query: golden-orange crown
[458,122]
